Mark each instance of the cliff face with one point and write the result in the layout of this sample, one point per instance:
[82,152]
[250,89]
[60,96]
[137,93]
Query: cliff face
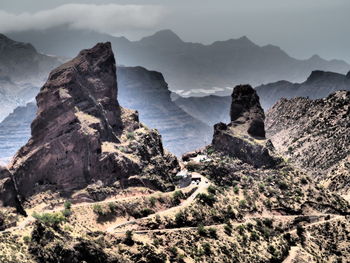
[148,93]
[312,133]
[81,135]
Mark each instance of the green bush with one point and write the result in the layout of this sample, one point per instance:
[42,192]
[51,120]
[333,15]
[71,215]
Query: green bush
[206,199]
[67,205]
[206,248]
[50,219]
[177,196]
[66,213]
[130,136]
[228,229]
[97,208]
[212,232]
[153,201]
[201,230]
[112,206]
[236,189]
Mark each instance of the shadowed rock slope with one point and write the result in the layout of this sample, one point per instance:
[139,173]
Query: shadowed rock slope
[81,135]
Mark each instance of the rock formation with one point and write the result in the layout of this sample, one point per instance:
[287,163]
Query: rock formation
[244,136]
[246,109]
[82,136]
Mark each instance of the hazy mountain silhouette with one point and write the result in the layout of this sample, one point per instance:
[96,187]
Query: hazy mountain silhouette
[187,65]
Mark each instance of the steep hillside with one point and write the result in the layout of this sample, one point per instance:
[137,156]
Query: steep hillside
[312,133]
[188,66]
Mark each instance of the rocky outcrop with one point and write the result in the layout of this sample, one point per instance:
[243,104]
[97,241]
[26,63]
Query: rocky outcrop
[246,109]
[243,138]
[82,136]
[312,133]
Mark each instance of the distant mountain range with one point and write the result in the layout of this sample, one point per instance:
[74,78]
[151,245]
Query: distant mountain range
[189,66]
[318,85]
[22,71]
[20,62]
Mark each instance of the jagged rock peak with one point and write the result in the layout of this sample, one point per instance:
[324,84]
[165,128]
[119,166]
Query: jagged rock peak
[88,78]
[81,135]
[246,109]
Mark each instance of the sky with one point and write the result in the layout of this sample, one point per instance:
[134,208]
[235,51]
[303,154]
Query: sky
[300,27]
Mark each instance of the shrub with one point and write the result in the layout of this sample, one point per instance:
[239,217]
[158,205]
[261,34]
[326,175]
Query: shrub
[304,180]
[193,166]
[261,188]
[201,230]
[210,150]
[243,204]
[128,238]
[26,239]
[66,212]
[177,196]
[228,229]
[254,236]
[112,206]
[153,201]
[67,205]
[212,232]
[206,248]
[97,208]
[180,218]
[212,189]
[130,136]
[236,189]
[206,199]
[50,219]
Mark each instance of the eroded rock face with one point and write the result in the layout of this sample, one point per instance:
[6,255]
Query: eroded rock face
[81,135]
[246,109]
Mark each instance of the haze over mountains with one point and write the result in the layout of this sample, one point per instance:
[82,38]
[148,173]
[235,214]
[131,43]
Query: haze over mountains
[189,66]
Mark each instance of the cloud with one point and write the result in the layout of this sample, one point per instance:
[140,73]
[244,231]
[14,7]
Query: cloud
[109,18]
